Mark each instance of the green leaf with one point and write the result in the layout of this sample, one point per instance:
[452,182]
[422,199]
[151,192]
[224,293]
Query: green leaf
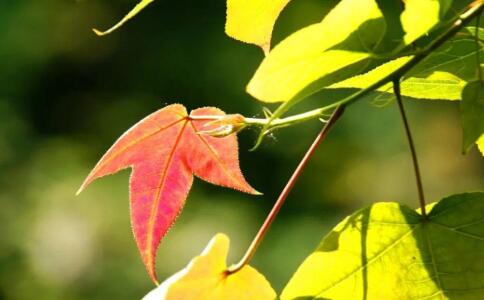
[434,86]
[393,26]
[365,80]
[441,76]
[140,6]
[252,21]
[388,251]
[420,16]
[472,107]
[454,62]
[353,36]
[328,51]
[480,144]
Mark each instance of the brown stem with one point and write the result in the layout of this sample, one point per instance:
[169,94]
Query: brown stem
[418,178]
[285,192]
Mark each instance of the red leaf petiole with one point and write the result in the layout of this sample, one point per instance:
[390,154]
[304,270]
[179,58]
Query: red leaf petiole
[285,192]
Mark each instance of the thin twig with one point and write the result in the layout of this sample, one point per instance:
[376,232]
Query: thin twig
[418,178]
[285,192]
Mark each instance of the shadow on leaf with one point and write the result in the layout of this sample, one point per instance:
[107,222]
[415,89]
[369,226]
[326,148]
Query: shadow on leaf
[388,251]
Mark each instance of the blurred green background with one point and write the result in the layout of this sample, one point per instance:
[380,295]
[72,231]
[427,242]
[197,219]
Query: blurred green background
[66,95]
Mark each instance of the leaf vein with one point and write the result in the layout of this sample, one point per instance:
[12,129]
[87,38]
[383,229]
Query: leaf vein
[156,198]
[434,263]
[388,248]
[216,157]
[133,143]
[463,233]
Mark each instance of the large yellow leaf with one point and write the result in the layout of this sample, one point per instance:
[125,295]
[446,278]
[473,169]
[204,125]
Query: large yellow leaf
[205,278]
[252,21]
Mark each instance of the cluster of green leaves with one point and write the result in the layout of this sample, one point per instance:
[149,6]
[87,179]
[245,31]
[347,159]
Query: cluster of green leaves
[386,251]
[360,43]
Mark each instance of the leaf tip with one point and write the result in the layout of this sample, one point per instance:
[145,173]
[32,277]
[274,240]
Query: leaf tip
[79,190]
[256,193]
[150,264]
[98,32]
[155,279]
[82,187]
[257,143]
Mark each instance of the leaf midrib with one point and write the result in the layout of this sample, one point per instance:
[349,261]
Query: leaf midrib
[438,281]
[393,244]
[156,198]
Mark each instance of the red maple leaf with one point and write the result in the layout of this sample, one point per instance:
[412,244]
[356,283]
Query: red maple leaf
[164,151]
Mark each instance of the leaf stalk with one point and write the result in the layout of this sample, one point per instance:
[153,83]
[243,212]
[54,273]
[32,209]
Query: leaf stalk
[285,192]
[418,177]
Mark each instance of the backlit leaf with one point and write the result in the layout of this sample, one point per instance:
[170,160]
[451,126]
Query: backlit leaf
[444,73]
[420,16]
[440,76]
[438,85]
[480,144]
[342,39]
[205,278]
[342,45]
[365,80]
[388,251]
[164,151]
[472,107]
[140,6]
[252,21]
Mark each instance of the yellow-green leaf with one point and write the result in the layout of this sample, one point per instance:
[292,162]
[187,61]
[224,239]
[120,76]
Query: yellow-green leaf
[437,85]
[205,278]
[341,40]
[365,80]
[388,251]
[131,14]
[472,108]
[252,21]
[440,76]
[480,144]
[420,16]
